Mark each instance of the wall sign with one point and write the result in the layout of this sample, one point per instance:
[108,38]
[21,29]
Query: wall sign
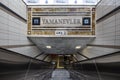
[60,20]
[36,21]
[57,21]
[60,32]
[86,21]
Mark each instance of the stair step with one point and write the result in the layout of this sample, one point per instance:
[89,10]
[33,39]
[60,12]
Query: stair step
[59,78]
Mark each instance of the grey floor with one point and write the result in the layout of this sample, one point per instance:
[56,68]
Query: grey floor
[60,74]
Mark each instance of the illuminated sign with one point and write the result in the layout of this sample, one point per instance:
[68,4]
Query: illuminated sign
[89,1]
[32,1]
[61,1]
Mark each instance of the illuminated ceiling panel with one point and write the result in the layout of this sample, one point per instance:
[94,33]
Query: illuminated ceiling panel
[61,2]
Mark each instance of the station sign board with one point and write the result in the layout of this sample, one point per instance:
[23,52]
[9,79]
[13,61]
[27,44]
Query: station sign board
[60,21]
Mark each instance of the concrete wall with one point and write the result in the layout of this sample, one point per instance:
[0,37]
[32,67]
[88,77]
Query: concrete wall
[13,29]
[107,30]
[17,6]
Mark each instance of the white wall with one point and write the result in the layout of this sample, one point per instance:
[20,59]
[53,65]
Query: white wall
[107,30]
[17,6]
[13,31]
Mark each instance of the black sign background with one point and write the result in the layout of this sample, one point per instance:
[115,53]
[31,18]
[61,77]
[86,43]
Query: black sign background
[36,21]
[86,21]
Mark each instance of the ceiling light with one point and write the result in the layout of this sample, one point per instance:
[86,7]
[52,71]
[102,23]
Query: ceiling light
[48,47]
[77,47]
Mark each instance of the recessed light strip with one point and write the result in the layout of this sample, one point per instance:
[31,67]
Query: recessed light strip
[77,47]
[49,47]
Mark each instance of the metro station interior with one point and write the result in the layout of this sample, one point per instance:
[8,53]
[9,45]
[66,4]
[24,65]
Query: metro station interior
[59,39]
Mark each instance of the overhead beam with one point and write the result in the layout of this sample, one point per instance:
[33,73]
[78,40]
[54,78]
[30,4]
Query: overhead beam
[83,55]
[105,46]
[102,56]
[16,46]
[111,13]
[75,58]
[45,57]
[39,54]
[19,54]
[11,12]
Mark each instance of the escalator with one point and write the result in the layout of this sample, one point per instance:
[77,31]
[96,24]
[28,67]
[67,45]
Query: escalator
[60,74]
[18,67]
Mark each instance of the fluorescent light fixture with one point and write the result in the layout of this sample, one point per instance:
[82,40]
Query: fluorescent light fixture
[48,47]
[77,47]
[63,2]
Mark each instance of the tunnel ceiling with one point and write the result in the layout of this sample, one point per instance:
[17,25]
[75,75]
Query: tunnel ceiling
[60,45]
